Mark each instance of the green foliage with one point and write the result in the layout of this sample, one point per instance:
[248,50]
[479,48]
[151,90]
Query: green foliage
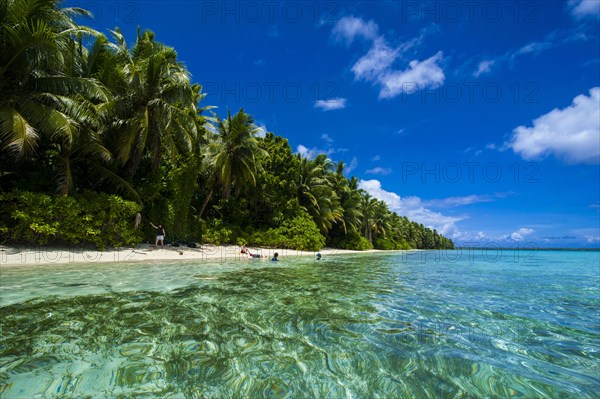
[91,218]
[353,241]
[181,185]
[219,233]
[402,245]
[302,233]
[384,243]
[267,238]
[276,182]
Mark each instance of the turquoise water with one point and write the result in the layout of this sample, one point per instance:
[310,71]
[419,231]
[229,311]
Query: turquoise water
[473,324]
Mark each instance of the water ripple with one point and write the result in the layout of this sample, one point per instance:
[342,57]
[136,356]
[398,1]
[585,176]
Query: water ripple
[350,327]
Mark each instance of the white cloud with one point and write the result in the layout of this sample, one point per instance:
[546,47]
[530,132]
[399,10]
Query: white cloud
[552,40]
[520,234]
[592,239]
[331,104]
[379,171]
[353,164]
[584,8]
[419,75]
[376,62]
[326,137]
[485,66]
[376,158]
[465,200]
[349,28]
[572,134]
[305,151]
[314,151]
[413,208]
[377,65]
[261,130]
[533,48]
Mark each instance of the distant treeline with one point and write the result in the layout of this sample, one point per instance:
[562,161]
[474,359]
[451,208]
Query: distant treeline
[120,129]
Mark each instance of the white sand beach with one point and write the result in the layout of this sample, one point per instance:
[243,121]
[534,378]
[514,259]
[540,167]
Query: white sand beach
[27,256]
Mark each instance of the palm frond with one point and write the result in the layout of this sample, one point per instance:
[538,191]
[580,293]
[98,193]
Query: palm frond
[17,136]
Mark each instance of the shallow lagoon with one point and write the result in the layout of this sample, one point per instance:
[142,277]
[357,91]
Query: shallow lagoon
[426,325]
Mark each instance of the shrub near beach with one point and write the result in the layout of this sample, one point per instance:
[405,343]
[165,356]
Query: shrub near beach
[299,233]
[90,218]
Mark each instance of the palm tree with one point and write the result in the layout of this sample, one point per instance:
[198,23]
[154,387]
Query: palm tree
[153,110]
[381,222]
[46,99]
[349,198]
[368,211]
[315,192]
[38,97]
[231,157]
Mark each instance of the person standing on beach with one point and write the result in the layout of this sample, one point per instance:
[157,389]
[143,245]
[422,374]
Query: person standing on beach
[160,235]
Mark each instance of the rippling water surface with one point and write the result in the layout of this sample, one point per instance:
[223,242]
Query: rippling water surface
[418,325]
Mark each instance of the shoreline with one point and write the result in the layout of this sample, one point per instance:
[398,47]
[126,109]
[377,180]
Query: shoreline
[40,256]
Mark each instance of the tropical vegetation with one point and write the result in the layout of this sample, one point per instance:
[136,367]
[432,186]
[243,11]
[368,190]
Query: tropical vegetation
[94,131]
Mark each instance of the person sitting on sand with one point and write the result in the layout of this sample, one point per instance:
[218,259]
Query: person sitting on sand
[160,235]
[243,250]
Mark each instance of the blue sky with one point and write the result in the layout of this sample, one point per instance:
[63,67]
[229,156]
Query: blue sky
[480,119]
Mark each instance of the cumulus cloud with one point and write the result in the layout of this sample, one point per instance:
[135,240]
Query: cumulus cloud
[571,134]
[584,8]
[314,151]
[349,28]
[413,208]
[331,104]
[419,75]
[520,234]
[305,151]
[484,67]
[379,171]
[376,66]
[376,62]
